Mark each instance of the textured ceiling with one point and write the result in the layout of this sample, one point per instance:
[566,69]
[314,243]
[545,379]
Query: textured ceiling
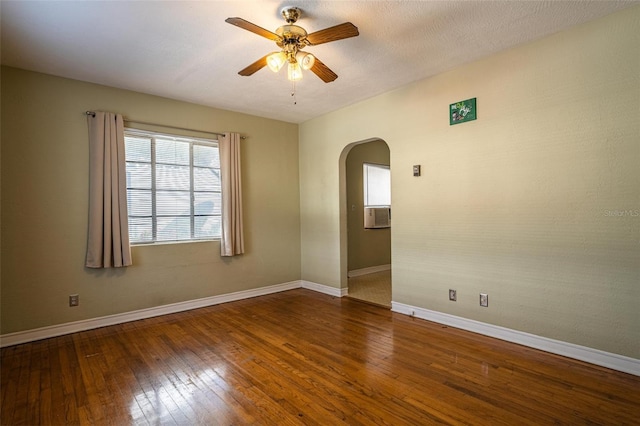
[184,49]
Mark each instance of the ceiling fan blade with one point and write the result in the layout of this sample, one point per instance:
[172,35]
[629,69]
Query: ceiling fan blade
[246,25]
[256,66]
[334,33]
[323,71]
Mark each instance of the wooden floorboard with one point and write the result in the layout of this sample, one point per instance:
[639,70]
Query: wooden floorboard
[301,357]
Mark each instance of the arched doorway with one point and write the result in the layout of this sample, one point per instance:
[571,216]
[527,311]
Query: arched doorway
[366,254]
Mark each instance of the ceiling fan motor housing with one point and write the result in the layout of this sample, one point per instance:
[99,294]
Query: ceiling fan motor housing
[292,35]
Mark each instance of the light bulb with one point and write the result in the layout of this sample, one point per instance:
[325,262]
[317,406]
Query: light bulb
[294,71]
[276,60]
[306,60]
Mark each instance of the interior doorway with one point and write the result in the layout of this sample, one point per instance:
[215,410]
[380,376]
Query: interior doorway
[368,243]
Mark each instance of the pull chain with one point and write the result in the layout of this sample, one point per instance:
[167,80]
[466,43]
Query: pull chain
[293,92]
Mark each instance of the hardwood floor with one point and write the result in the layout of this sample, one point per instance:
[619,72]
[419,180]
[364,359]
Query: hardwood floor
[301,357]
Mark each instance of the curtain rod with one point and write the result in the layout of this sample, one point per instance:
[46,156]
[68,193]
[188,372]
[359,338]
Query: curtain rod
[93,114]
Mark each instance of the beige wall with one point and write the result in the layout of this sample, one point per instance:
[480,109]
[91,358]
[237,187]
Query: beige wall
[517,204]
[366,247]
[535,203]
[44,207]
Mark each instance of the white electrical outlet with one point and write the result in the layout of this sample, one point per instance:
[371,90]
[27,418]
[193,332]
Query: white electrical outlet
[74,300]
[484,299]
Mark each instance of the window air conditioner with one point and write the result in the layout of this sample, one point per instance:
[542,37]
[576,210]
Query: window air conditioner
[377,217]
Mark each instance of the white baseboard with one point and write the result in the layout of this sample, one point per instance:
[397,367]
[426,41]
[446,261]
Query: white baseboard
[570,350]
[19,337]
[593,356]
[321,288]
[369,270]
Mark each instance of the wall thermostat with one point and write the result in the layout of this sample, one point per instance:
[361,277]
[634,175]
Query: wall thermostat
[416,170]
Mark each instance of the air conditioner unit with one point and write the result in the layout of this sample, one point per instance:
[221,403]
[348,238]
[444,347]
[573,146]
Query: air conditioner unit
[377,217]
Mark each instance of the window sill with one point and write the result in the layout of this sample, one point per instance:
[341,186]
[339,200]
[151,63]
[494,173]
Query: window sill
[164,243]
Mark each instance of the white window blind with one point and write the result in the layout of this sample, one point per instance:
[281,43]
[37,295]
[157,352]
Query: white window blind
[376,185]
[173,188]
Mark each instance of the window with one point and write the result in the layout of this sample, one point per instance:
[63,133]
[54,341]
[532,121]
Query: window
[377,185]
[377,196]
[173,188]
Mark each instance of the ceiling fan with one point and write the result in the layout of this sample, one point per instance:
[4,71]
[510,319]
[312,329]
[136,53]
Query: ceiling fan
[292,39]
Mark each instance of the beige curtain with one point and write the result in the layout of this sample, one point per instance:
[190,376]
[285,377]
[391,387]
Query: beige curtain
[232,239]
[108,237]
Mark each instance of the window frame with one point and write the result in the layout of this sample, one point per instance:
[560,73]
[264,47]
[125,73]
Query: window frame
[192,141]
[365,185]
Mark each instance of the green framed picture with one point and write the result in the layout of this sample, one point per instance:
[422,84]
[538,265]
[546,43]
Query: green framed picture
[462,111]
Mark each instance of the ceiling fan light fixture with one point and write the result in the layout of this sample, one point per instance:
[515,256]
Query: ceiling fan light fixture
[276,61]
[306,60]
[294,71]
[291,39]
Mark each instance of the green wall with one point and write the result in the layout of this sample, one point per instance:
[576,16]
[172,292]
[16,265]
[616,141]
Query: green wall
[520,204]
[44,207]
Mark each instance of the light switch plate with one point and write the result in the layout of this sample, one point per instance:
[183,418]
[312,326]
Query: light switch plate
[484,300]
[416,170]
[453,295]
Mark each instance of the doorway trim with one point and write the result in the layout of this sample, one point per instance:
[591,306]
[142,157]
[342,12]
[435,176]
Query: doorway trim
[343,207]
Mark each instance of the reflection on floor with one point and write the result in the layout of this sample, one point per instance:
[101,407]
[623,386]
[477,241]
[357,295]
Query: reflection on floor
[373,288]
